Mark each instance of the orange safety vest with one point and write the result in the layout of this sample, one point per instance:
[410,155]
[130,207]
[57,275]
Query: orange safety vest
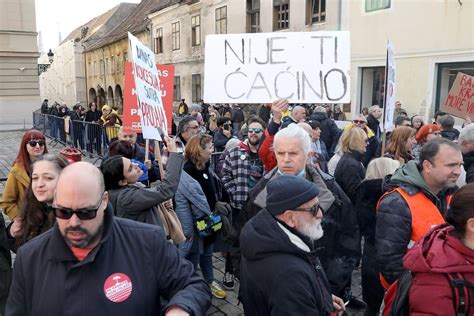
[424,215]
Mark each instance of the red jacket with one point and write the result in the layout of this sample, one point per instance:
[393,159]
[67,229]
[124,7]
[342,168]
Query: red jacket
[436,254]
[266,152]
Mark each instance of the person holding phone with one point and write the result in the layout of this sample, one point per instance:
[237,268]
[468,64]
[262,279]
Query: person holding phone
[222,134]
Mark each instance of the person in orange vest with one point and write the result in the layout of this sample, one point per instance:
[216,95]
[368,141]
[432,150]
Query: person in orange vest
[417,199]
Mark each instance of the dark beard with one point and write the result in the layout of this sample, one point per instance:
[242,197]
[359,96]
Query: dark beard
[87,240]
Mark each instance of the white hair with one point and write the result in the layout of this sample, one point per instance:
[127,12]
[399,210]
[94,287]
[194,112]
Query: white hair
[294,131]
[373,108]
[467,134]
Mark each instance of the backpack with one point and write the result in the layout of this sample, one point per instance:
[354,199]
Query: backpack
[396,298]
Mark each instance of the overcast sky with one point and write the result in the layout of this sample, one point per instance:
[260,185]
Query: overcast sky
[54,16]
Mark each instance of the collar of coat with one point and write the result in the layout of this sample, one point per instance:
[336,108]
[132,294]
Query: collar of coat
[58,250]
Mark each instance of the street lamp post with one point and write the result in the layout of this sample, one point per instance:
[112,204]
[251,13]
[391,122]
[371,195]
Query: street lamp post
[44,67]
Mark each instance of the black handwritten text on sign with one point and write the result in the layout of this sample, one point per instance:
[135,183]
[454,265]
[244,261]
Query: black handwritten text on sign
[309,67]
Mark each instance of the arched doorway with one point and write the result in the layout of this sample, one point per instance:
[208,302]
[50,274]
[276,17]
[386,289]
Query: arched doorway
[100,98]
[110,97]
[92,95]
[119,98]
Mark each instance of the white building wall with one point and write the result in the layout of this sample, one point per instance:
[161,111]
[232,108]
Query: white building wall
[424,33]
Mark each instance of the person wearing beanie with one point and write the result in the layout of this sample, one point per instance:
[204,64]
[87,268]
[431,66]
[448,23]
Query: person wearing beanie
[280,271]
[424,135]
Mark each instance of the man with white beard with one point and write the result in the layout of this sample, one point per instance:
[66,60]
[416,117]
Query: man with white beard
[280,272]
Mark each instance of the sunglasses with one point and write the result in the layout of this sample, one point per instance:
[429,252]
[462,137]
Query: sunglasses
[313,210]
[83,214]
[359,122]
[33,143]
[255,130]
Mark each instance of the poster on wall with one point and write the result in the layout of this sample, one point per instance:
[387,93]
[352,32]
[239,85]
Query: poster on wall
[460,100]
[390,88]
[303,67]
[147,85]
[131,118]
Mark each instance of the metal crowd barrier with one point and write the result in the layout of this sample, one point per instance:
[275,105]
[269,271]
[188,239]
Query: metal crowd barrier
[89,138]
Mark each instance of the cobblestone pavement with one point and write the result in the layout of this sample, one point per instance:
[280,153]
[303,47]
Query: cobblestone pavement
[9,144]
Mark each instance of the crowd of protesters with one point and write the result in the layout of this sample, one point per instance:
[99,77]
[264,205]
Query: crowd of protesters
[293,202]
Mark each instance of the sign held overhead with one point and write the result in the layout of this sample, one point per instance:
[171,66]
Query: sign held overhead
[304,67]
[460,100]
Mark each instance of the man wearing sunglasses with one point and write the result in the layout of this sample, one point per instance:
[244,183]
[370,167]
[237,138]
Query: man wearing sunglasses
[281,272]
[91,263]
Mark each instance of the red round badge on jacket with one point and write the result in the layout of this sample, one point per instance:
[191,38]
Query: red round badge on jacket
[117,287]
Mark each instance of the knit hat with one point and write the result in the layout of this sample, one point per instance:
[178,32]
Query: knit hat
[288,192]
[424,131]
[194,107]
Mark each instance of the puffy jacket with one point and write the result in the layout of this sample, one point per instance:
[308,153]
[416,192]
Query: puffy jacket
[329,131]
[350,172]
[190,204]
[437,253]
[394,219]
[49,280]
[280,274]
[451,134]
[17,182]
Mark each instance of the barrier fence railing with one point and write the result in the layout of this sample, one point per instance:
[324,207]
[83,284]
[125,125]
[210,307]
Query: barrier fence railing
[88,137]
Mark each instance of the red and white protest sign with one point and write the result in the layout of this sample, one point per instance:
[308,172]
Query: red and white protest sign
[460,100]
[131,118]
[147,85]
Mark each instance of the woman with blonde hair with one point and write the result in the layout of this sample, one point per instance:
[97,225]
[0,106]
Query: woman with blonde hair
[400,145]
[212,124]
[350,171]
[368,193]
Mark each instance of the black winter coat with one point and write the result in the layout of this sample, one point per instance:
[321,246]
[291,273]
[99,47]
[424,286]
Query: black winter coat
[451,134]
[278,276]
[329,131]
[374,125]
[469,166]
[349,173]
[49,280]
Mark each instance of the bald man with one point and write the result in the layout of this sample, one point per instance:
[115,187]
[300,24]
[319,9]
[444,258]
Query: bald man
[298,114]
[91,263]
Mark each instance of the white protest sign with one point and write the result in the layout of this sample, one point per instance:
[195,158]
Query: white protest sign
[304,67]
[147,82]
[390,88]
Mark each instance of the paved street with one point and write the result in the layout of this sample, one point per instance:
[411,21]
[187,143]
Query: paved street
[9,142]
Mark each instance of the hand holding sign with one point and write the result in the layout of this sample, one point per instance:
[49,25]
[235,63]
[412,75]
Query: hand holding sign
[278,107]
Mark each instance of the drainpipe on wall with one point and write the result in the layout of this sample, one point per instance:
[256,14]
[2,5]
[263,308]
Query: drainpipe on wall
[339,14]
[85,73]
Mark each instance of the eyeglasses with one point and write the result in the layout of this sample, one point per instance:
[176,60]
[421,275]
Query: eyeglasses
[33,143]
[194,127]
[359,122]
[82,214]
[313,210]
[255,130]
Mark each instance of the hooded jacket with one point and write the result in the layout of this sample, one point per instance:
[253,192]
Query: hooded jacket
[437,253]
[329,131]
[280,274]
[394,218]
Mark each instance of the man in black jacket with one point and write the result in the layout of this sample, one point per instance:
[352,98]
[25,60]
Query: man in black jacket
[329,131]
[417,200]
[91,263]
[466,140]
[281,273]
[375,112]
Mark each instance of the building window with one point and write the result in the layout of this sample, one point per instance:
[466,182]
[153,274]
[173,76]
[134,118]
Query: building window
[253,16]
[112,64]
[175,36]
[447,73]
[107,66]
[372,89]
[94,71]
[281,14]
[196,30]
[315,11]
[124,61]
[102,67]
[196,87]
[159,41]
[89,69]
[221,20]
[374,5]
[177,88]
